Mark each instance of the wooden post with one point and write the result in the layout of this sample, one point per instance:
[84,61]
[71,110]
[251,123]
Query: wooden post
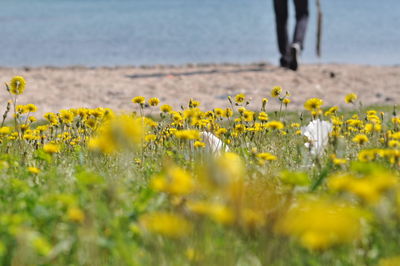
[319,28]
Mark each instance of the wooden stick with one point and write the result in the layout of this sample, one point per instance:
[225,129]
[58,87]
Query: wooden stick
[319,28]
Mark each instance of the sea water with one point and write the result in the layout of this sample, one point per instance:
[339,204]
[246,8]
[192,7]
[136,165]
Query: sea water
[148,32]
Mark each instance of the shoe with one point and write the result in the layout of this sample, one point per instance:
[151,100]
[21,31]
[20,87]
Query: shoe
[283,62]
[295,54]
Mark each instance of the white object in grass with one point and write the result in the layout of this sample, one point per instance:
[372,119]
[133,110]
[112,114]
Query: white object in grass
[213,143]
[317,132]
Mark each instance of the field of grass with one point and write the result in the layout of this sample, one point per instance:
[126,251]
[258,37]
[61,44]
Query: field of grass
[154,187]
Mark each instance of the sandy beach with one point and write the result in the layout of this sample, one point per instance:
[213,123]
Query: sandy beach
[54,88]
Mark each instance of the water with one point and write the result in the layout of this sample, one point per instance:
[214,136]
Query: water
[137,32]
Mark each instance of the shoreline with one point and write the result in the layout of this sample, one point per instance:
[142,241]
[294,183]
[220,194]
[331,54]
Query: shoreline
[52,88]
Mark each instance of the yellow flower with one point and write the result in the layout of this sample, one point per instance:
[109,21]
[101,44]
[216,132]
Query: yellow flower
[360,139]
[321,224]
[263,116]
[239,98]
[228,112]
[76,215]
[313,104]
[33,170]
[166,108]
[276,91]
[350,98]
[166,224]
[219,112]
[51,148]
[265,156]
[286,101]
[394,143]
[139,100]
[21,109]
[17,85]
[295,125]
[199,144]
[67,116]
[154,101]
[188,134]
[369,188]
[175,181]
[248,115]
[193,103]
[275,125]
[150,137]
[31,108]
[331,111]
[215,211]
[367,155]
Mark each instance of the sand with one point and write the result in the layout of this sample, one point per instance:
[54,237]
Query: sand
[54,88]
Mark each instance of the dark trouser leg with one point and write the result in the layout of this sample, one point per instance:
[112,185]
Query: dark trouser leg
[301,7]
[281,18]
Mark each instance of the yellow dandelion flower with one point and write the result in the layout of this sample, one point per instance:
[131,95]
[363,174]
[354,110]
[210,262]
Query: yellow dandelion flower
[21,109]
[360,139]
[321,224]
[286,101]
[166,108]
[166,224]
[193,103]
[139,100]
[333,110]
[265,156]
[239,98]
[31,108]
[275,125]
[350,98]
[199,144]
[313,104]
[150,137]
[17,85]
[33,170]
[76,215]
[51,148]
[219,112]
[154,101]
[276,91]
[188,134]
[67,116]
[264,102]
[228,112]
[263,116]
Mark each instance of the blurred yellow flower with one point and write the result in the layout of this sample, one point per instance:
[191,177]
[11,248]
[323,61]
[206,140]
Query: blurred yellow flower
[51,148]
[276,91]
[175,181]
[320,224]
[239,98]
[166,108]
[75,214]
[154,101]
[17,85]
[139,100]
[313,104]
[275,125]
[166,224]
[350,98]
[360,139]
[33,170]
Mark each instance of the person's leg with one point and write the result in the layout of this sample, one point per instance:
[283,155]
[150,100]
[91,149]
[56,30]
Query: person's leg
[301,7]
[281,18]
